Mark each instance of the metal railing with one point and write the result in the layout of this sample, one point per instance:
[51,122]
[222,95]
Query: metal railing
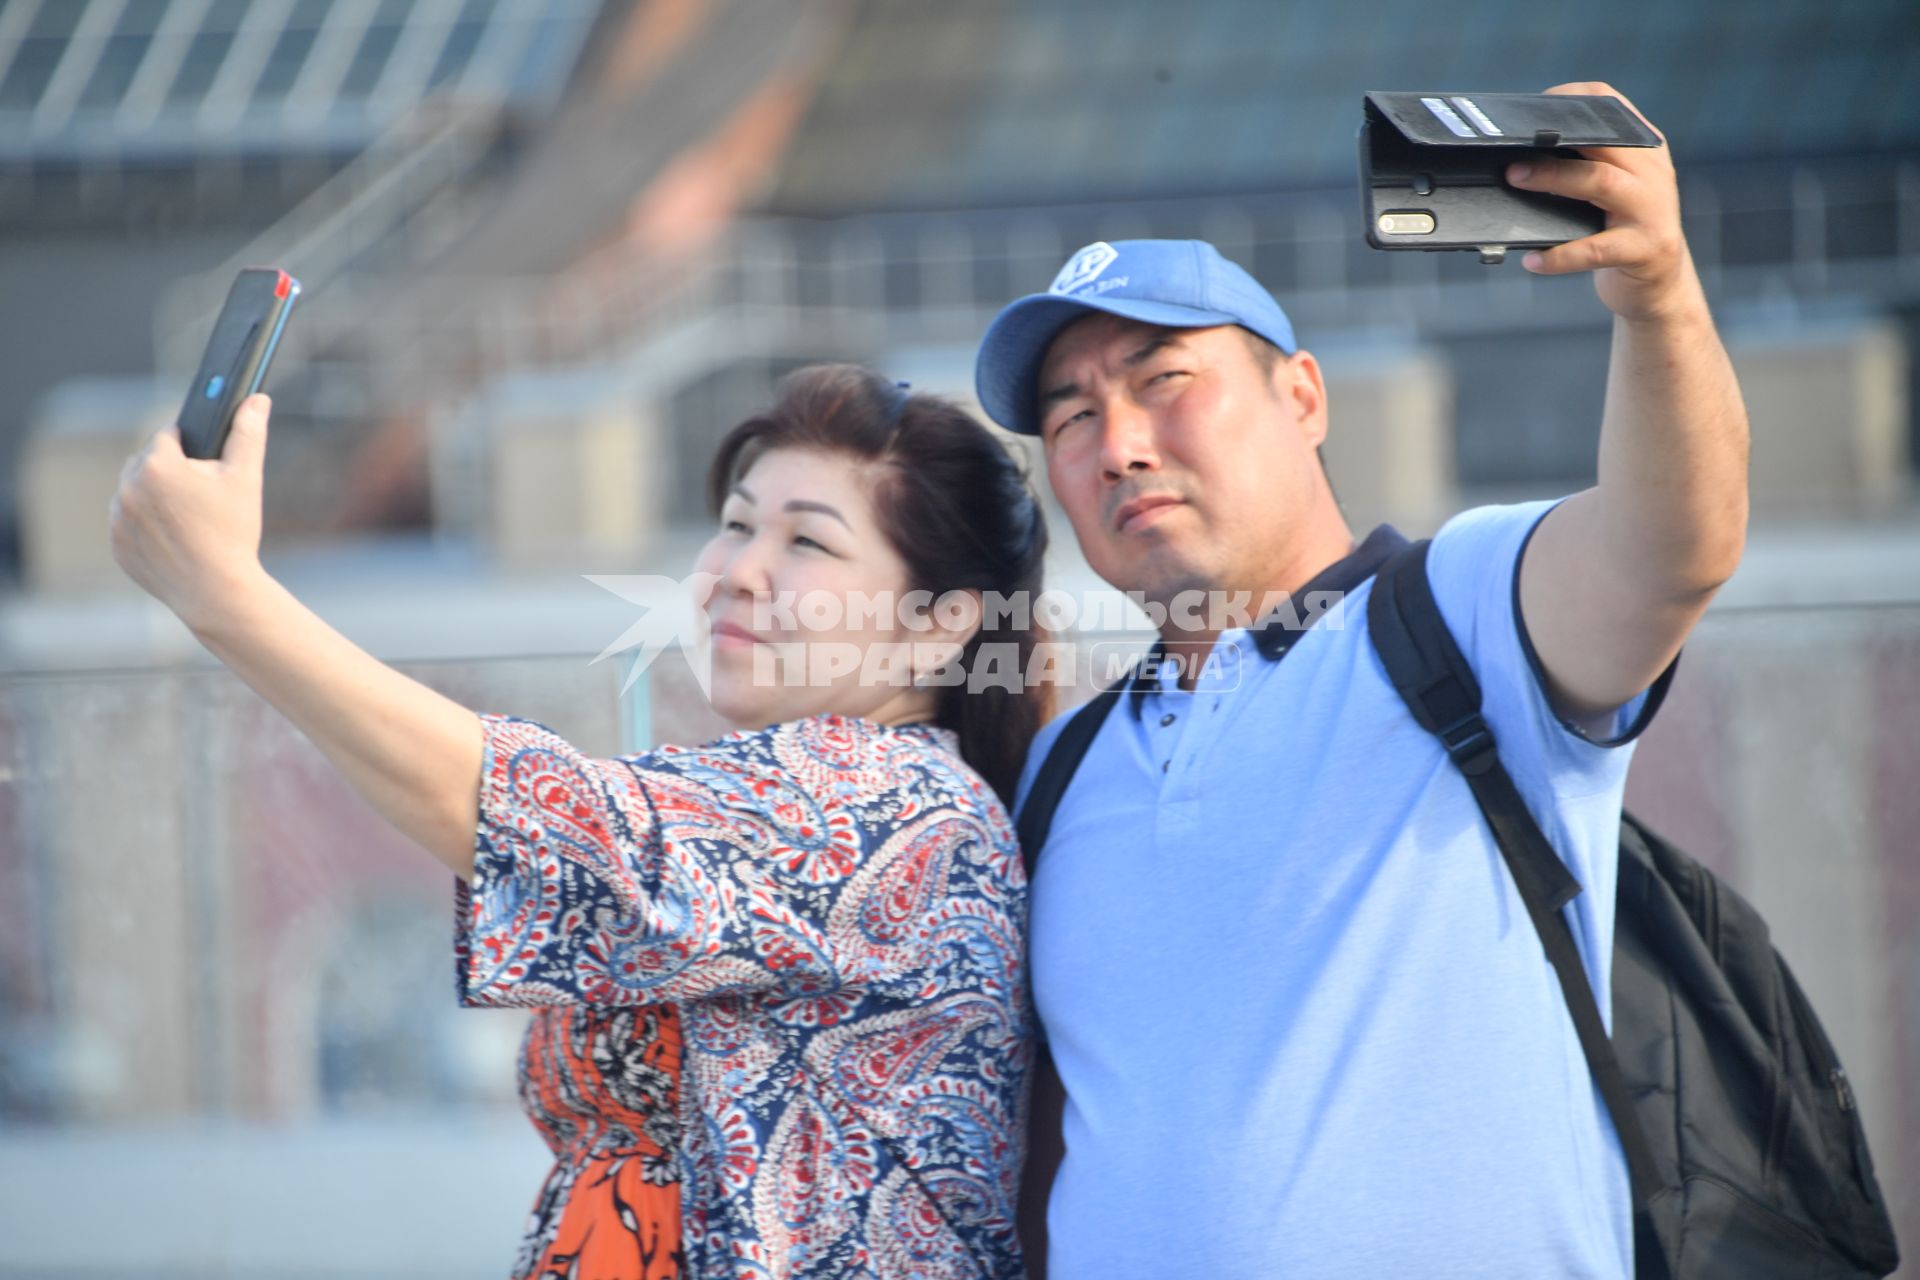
[391,200]
[860,285]
[800,288]
[211,930]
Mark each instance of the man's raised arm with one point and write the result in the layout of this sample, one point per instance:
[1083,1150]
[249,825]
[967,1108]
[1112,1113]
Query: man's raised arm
[1617,576]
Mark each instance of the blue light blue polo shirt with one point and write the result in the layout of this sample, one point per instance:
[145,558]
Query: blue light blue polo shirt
[1303,1021]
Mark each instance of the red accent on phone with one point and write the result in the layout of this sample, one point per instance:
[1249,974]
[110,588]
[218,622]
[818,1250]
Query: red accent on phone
[282,285]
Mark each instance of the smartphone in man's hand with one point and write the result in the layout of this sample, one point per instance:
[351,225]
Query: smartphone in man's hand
[1433,167]
[238,353]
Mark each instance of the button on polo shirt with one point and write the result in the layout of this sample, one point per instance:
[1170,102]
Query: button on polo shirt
[1304,1024]
[1154,689]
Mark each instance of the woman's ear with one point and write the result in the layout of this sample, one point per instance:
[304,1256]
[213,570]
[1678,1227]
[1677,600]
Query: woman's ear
[954,620]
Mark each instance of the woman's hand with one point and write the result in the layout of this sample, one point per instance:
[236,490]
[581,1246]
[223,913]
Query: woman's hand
[188,530]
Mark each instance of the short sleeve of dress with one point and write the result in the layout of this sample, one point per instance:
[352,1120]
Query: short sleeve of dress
[575,898]
[800,862]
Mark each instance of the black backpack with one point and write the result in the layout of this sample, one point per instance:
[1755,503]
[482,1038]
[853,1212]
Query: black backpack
[1743,1144]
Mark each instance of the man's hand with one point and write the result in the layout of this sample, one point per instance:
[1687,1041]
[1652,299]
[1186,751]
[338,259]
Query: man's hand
[187,530]
[1644,271]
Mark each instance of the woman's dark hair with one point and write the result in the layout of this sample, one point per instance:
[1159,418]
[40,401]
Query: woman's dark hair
[958,510]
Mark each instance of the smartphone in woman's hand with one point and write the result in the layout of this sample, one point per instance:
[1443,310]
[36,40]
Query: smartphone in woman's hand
[236,358]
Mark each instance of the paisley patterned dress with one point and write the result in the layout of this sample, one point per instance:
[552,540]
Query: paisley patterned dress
[783,1022]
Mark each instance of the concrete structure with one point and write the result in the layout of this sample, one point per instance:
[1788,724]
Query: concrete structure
[1390,448]
[1830,413]
[79,438]
[550,470]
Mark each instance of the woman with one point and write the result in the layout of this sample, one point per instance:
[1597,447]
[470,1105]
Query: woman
[783,1027]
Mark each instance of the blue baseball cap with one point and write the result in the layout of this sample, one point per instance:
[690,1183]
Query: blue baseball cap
[1181,284]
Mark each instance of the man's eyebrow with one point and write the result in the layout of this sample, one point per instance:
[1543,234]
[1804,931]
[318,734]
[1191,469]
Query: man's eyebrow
[802,504]
[1054,395]
[1154,344]
[1160,341]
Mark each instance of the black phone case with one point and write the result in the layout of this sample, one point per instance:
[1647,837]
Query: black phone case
[1445,156]
[236,359]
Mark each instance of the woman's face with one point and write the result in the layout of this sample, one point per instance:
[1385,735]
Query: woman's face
[805,617]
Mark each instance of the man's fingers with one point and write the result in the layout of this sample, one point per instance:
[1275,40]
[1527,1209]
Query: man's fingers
[1598,182]
[1633,158]
[1601,89]
[1588,89]
[1615,248]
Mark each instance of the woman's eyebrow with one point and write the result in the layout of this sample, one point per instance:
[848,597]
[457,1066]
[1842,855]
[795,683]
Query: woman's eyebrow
[802,504]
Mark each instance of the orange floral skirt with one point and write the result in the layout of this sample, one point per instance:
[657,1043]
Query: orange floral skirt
[603,1088]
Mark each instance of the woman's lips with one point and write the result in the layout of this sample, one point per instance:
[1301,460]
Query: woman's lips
[731,635]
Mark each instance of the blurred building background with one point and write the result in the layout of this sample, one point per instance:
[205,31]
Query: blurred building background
[552,249]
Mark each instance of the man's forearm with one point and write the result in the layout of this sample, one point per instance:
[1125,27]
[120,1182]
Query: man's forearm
[1673,452]
[412,753]
[1616,577]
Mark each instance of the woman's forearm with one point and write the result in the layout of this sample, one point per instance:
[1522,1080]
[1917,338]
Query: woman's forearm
[187,530]
[412,753]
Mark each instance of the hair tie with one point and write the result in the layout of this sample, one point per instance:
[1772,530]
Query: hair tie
[902,392]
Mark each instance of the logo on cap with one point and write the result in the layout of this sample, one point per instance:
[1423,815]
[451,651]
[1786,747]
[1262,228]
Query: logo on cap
[1084,267]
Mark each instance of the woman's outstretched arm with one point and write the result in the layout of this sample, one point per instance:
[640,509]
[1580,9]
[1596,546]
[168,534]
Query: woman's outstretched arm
[188,531]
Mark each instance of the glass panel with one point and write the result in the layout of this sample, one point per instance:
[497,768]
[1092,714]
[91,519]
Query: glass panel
[39,53]
[225,989]
[204,55]
[152,916]
[375,48]
[462,40]
[57,17]
[539,63]
[119,60]
[142,16]
[217,963]
[33,66]
[290,50]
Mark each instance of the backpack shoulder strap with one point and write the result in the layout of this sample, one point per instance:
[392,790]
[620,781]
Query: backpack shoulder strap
[1050,784]
[1433,678]
[1439,688]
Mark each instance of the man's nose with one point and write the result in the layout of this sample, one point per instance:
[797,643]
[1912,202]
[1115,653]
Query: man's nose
[1127,439]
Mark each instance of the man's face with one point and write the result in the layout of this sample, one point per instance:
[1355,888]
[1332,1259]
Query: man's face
[1181,461]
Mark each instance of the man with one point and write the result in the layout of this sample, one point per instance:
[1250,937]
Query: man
[1304,1025]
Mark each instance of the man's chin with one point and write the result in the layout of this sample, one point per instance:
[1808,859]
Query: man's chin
[1158,571]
